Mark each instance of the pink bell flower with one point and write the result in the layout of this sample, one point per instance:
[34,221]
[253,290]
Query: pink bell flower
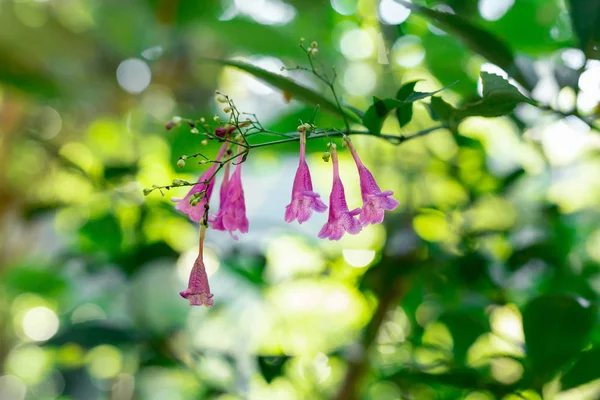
[341,220]
[207,185]
[232,211]
[375,202]
[304,199]
[198,290]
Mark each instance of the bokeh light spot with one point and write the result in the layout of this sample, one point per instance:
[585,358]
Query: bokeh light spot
[358,258]
[134,75]
[40,323]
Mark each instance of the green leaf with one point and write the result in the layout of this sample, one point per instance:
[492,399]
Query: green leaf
[94,333]
[499,98]
[405,113]
[297,91]
[583,371]
[271,367]
[556,329]
[585,15]
[377,113]
[379,110]
[477,39]
[36,280]
[465,326]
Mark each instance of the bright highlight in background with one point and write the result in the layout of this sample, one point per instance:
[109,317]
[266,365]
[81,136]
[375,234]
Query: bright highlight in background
[358,258]
[133,75]
[40,323]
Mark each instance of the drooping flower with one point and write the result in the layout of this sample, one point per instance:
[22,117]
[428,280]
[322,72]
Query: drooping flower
[196,212]
[232,211]
[198,290]
[340,220]
[375,202]
[216,220]
[304,199]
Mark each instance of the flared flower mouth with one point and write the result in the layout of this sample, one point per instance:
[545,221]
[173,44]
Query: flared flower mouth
[198,290]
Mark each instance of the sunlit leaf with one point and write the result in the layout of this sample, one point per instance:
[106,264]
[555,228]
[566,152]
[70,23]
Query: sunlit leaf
[556,329]
[298,91]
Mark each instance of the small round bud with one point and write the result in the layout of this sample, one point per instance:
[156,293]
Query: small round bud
[177,119]
[147,191]
[301,128]
[326,156]
[222,99]
[180,163]
[227,110]
[176,182]
[302,39]
[169,125]
[216,118]
[194,201]
[220,131]
[202,120]
[315,51]
[314,44]
[202,162]
[195,131]
[307,126]
[204,142]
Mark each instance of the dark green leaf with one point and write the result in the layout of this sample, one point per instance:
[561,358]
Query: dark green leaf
[440,110]
[405,113]
[556,328]
[101,234]
[478,39]
[377,113]
[379,110]
[271,367]
[297,91]
[92,334]
[585,369]
[585,15]
[465,328]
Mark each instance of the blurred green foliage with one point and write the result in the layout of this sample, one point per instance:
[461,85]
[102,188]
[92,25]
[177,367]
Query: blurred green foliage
[483,284]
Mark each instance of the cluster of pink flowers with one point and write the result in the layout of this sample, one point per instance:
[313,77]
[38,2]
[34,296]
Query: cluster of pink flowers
[231,215]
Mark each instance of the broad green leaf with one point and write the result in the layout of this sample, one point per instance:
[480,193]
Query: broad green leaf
[556,329]
[499,98]
[585,15]
[44,281]
[477,39]
[297,91]
[585,369]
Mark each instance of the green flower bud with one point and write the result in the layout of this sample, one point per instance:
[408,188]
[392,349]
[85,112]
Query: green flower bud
[222,99]
[147,191]
[195,131]
[180,163]
[326,156]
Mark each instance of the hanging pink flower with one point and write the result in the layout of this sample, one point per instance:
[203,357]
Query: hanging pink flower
[198,290]
[304,199]
[232,211]
[375,202]
[197,212]
[341,220]
[216,220]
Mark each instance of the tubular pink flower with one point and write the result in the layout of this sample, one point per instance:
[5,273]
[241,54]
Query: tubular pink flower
[375,202]
[216,220]
[304,199]
[197,212]
[198,290]
[232,212]
[341,220]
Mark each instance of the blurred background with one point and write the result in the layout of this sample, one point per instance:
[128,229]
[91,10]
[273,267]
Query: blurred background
[482,284]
